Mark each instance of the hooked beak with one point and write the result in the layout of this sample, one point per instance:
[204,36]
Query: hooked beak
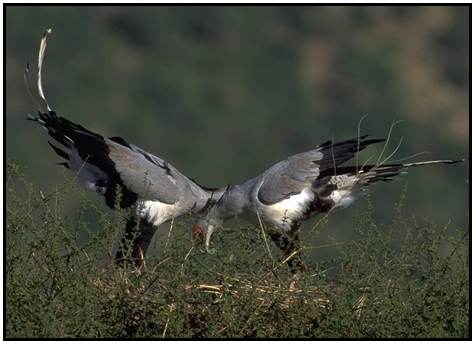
[202,235]
[209,232]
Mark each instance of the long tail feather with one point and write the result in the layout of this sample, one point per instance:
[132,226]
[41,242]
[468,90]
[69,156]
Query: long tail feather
[41,56]
[432,162]
[371,174]
[26,81]
[42,104]
[343,187]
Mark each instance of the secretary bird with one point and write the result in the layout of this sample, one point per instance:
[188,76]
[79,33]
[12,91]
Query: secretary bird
[150,187]
[297,189]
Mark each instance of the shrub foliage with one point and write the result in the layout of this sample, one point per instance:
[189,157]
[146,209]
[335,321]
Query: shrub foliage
[402,280]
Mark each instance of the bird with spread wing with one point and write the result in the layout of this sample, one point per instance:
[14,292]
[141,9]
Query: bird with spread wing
[278,200]
[299,188]
[126,175]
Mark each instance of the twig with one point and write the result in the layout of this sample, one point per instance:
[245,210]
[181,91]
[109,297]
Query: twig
[387,139]
[358,136]
[323,246]
[168,320]
[169,234]
[184,260]
[264,236]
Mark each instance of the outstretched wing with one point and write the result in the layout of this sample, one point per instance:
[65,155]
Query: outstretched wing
[107,165]
[289,177]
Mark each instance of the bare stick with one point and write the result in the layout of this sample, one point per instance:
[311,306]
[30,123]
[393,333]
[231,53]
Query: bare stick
[387,140]
[264,236]
[333,155]
[358,136]
[388,157]
[186,258]
[169,234]
[361,169]
[410,156]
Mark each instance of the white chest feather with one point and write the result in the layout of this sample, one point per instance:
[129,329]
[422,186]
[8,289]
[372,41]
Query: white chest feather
[342,198]
[288,210]
[156,212]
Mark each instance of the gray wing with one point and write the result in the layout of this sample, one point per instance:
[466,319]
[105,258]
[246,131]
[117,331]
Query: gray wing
[147,175]
[291,176]
[105,164]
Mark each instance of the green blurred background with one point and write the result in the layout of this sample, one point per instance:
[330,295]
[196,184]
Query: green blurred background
[222,92]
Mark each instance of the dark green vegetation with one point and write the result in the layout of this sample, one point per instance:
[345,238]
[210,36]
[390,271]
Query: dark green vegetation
[406,279]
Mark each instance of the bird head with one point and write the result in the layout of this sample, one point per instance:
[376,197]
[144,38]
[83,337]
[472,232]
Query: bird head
[202,231]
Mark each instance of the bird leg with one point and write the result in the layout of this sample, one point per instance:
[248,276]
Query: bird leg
[135,242]
[290,247]
[295,262]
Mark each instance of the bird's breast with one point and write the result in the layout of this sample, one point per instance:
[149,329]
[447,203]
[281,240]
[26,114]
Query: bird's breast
[156,212]
[285,213]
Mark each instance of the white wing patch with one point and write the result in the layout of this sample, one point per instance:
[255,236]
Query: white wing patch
[285,212]
[156,212]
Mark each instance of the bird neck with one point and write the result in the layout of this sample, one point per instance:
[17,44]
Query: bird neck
[207,198]
[230,201]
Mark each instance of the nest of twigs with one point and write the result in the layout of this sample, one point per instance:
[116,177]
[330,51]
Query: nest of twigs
[265,292]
